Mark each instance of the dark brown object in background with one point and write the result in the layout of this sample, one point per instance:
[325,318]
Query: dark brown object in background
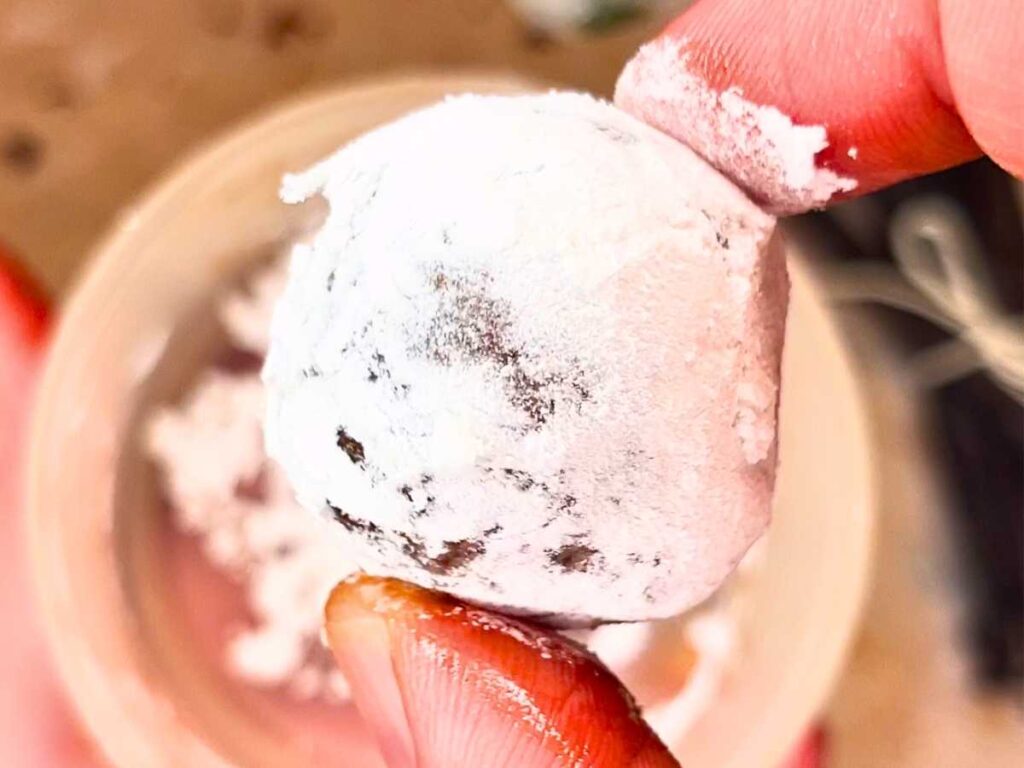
[977,428]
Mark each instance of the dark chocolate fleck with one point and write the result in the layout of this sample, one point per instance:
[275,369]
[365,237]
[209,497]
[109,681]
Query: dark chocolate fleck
[496,528]
[582,390]
[528,394]
[353,524]
[574,556]
[456,555]
[406,490]
[352,447]
[523,480]
[413,548]
[474,327]
[722,240]
[377,368]
[330,281]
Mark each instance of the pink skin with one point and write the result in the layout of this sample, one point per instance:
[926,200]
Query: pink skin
[443,683]
[913,86]
[37,730]
[810,753]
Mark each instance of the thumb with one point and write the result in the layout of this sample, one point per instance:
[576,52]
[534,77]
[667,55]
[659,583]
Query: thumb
[442,683]
[879,91]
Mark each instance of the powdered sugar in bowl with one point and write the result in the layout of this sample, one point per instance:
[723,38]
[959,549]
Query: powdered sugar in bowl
[143,620]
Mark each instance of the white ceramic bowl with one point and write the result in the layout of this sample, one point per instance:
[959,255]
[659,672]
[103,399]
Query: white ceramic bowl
[138,677]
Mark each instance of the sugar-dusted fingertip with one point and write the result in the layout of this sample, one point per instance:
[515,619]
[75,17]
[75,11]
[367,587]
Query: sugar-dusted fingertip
[805,102]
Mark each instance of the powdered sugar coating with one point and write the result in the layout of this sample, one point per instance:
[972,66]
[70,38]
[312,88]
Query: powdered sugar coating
[756,145]
[531,359]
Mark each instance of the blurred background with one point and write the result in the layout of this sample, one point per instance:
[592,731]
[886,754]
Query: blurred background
[98,98]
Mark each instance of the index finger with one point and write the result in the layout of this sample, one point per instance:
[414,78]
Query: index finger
[876,92]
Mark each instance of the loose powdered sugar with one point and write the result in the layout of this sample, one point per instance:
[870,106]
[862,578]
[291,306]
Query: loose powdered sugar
[755,145]
[224,490]
[531,359]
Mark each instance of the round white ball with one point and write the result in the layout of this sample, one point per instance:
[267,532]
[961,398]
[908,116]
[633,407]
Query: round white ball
[531,358]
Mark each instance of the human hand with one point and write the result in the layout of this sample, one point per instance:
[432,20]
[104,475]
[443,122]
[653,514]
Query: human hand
[442,684]
[901,88]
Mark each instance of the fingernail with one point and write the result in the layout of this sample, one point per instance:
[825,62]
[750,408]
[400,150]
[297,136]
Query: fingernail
[360,640]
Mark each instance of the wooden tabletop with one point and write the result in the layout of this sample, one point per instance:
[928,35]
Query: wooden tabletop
[98,97]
